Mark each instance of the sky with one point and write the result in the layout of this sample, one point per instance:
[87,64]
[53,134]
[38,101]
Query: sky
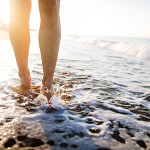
[97,17]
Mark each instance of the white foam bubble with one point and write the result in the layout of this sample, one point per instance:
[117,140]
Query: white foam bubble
[56,102]
[42,101]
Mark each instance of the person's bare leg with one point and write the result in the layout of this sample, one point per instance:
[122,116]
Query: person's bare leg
[49,41]
[20,37]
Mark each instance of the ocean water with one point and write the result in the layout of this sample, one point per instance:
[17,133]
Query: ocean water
[136,47]
[102,100]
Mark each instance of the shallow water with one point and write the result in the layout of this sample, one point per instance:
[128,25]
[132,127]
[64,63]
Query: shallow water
[103,101]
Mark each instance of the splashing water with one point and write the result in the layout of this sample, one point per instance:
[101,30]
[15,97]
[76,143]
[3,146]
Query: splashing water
[55,102]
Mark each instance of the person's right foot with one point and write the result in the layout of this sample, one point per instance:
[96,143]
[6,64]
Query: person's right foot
[25,79]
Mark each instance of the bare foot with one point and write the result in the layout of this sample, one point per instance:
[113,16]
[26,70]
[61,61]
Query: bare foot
[47,90]
[25,79]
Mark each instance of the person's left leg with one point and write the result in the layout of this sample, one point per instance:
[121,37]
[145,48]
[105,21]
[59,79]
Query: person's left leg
[49,41]
[20,37]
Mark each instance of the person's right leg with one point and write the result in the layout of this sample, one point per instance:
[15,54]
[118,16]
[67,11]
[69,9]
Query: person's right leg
[20,37]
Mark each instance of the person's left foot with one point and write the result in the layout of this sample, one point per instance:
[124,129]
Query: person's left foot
[47,91]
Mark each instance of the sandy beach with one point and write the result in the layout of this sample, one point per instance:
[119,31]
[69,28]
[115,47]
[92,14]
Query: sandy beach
[102,100]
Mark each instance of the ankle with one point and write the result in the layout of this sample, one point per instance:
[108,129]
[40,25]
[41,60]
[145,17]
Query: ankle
[24,72]
[25,78]
[47,82]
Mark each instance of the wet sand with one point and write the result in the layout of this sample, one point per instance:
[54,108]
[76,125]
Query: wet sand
[103,102]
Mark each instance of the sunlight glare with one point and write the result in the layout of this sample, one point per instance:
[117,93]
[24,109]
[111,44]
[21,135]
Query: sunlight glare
[6,12]
[105,17]
[34,18]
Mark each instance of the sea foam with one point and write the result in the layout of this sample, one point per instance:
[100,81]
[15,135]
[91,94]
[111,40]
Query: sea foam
[42,101]
[139,48]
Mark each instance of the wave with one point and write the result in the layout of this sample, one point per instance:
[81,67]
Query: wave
[139,48]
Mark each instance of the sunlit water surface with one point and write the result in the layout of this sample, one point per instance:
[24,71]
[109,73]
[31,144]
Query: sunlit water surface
[102,101]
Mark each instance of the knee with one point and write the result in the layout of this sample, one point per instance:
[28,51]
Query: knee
[20,9]
[49,9]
